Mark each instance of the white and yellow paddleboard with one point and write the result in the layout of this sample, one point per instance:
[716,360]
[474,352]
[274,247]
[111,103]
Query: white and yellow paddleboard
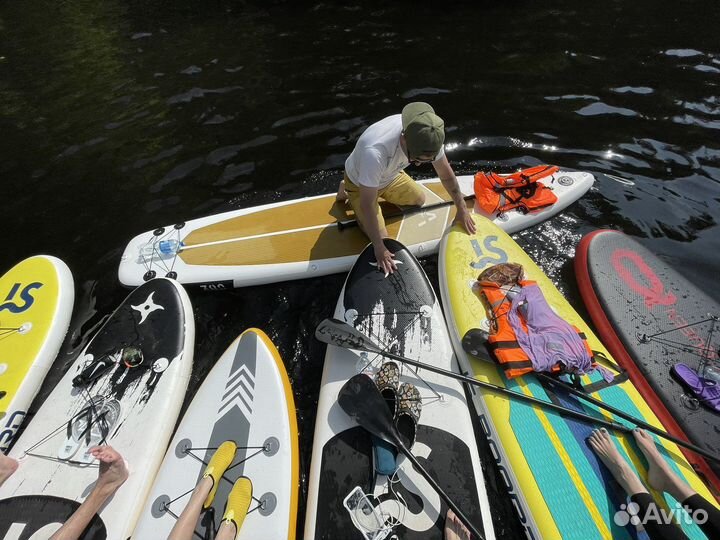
[559,486]
[300,238]
[246,398]
[36,301]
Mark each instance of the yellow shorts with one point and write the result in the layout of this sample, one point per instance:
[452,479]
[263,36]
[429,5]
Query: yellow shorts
[402,191]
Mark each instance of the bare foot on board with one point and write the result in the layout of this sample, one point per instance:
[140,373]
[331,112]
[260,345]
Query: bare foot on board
[454,528]
[603,445]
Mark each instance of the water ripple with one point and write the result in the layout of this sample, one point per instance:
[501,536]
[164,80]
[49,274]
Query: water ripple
[427,91]
[682,53]
[313,114]
[572,96]
[217,120]
[597,109]
[633,90]
[177,173]
[232,171]
[158,157]
[220,155]
[706,69]
[191,70]
[195,93]
[690,120]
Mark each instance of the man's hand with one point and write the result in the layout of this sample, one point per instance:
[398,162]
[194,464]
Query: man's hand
[466,220]
[384,258]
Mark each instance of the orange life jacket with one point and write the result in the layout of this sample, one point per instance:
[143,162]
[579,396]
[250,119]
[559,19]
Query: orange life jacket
[521,190]
[502,340]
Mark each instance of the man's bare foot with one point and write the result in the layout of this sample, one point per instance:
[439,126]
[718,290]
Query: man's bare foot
[341,193]
[454,528]
[113,471]
[604,447]
[660,476]
[8,466]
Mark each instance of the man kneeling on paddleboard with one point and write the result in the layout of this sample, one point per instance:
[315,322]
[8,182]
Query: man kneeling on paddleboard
[375,168]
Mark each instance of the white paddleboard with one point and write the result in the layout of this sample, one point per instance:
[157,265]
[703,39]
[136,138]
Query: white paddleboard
[139,403]
[300,238]
[402,314]
[245,398]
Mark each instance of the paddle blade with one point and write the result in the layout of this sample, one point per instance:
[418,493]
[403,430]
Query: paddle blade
[474,343]
[362,401]
[341,334]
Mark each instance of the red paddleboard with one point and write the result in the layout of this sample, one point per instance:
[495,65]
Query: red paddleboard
[651,319]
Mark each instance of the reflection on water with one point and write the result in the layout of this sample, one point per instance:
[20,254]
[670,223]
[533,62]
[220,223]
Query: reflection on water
[119,116]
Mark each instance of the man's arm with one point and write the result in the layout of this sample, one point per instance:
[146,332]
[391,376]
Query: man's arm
[449,181]
[368,204]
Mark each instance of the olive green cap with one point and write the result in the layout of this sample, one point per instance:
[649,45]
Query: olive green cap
[424,130]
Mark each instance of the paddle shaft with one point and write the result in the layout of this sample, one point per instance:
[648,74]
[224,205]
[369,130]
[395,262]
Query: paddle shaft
[415,209]
[439,490]
[500,390]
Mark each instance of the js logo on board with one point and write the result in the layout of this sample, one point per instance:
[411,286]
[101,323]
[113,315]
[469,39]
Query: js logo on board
[24,301]
[488,253]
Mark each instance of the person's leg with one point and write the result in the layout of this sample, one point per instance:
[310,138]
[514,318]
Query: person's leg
[605,449]
[403,191]
[111,475]
[353,197]
[660,476]
[663,478]
[706,514]
[8,466]
[454,528]
[227,531]
[204,492]
[237,507]
[187,521]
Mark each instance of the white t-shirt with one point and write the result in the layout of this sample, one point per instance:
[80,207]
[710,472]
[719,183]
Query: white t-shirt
[378,158]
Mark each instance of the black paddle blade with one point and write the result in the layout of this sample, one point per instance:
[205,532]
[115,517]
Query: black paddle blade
[474,343]
[361,400]
[341,334]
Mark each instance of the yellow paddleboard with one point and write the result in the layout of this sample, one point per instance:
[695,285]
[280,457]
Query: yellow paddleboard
[36,300]
[558,485]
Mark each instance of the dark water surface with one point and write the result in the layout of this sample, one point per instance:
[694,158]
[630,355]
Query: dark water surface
[118,116]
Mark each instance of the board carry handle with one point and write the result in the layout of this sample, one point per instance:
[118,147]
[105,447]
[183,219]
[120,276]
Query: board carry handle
[348,223]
